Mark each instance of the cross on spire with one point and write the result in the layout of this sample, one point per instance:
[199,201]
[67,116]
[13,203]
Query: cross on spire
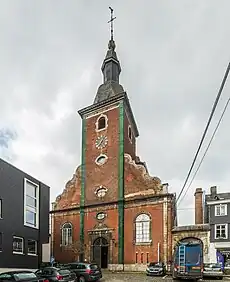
[111,23]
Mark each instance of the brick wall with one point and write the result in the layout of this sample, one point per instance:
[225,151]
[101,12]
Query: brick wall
[131,212]
[143,193]
[106,175]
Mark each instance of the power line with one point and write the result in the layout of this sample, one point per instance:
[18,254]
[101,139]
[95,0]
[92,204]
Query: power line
[206,129]
[209,144]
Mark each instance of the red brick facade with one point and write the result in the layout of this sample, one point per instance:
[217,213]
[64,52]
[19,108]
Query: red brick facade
[143,194]
[146,210]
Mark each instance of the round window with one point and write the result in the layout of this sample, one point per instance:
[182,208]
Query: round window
[100,160]
[101,215]
[101,192]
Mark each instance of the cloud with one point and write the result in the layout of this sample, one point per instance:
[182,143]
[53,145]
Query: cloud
[173,58]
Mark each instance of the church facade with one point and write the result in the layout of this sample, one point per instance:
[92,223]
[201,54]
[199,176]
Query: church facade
[112,210]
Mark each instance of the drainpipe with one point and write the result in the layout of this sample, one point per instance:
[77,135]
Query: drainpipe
[158,252]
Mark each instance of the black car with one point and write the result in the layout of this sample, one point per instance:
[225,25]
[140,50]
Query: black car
[52,274]
[156,268]
[20,275]
[86,272]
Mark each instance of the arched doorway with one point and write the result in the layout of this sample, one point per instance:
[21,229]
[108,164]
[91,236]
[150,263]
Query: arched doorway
[100,252]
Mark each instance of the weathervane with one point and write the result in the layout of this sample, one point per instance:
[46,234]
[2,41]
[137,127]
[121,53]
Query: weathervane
[111,22]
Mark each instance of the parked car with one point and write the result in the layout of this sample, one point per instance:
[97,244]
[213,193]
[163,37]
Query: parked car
[156,268]
[20,275]
[52,274]
[85,272]
[213,270]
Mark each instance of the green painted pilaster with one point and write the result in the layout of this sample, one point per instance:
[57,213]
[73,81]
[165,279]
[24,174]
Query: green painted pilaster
[121,186]
[82,199]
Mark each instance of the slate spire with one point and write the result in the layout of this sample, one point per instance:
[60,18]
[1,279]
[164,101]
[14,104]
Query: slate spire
[111,70]
[111,67]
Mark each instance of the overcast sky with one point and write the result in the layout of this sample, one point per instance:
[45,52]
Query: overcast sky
[173,56]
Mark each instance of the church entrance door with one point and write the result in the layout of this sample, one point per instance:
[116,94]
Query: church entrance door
[100,252]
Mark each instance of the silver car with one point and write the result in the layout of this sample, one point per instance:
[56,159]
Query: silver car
[213,270]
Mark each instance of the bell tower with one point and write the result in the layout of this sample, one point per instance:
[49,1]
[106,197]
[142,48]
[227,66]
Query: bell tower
[108,131]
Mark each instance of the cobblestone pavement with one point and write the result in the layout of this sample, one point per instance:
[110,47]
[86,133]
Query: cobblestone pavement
[138,277]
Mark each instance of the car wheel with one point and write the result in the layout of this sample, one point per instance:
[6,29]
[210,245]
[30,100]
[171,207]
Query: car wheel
[81,279]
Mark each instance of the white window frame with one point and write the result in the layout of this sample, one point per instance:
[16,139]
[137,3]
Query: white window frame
[65,231]
[226,231]
[219,207]
[15,252]
[103,156]
[31,209]
[142,226]
[36,247]
[97,122]
[0,208]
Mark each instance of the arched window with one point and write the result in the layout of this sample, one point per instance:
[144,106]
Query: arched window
[102,122]
[130,133]
[66,234]
[142,228]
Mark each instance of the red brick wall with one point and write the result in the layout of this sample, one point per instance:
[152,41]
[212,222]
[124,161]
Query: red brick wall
[106,175]
[111,221]
[129,147]
[60,253]
[155,211]
[136,179]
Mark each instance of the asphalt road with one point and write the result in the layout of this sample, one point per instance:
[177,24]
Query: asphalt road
[138,277]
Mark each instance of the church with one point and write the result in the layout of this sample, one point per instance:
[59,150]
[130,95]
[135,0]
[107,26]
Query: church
[112,211]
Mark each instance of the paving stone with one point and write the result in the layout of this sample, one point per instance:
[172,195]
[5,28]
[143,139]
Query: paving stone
[138,277]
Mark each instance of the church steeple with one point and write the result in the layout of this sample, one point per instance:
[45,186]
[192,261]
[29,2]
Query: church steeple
[111,67]
[111,70]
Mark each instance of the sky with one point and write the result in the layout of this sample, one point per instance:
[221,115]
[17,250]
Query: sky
[173,56]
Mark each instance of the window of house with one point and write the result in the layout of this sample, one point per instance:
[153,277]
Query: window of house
[220,210]
[102,123]
[100,216]
[142,257]
[18,245]
[130,133]
[101,192]
[142,228]
[31,204]
[32,247]
[67,234]
[1,241]
[136,257]
[0,208]
[221,231]
[100,160]
[147,257]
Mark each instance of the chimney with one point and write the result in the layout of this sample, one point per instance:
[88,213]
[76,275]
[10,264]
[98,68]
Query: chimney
[199,206]
[213,190]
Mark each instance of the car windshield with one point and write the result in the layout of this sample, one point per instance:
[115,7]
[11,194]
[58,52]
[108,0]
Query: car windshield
[93,266]
[64,271]
[157,264]
[24,275]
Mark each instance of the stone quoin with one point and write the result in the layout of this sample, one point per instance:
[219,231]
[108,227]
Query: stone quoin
[112,211]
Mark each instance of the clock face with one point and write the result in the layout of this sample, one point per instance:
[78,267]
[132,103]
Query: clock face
[101,141]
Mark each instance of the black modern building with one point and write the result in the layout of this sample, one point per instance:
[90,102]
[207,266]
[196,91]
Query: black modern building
[24,218]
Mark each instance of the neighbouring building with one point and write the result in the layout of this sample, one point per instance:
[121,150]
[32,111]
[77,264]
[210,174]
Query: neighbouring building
[112,208]
[24,218]
[199,230]
[217,214]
